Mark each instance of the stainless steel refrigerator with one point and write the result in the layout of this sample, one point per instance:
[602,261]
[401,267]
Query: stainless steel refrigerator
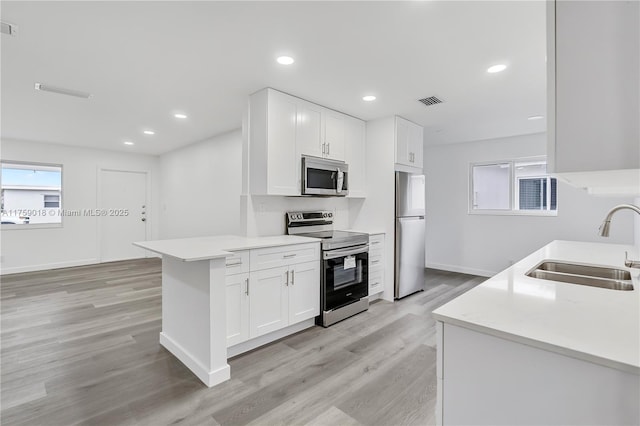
[410,237]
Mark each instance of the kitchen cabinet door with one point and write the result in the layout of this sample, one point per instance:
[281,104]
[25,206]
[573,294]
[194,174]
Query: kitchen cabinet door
[402,141]
[304,291]
[310,138]
[268,301]
[593,86]
[282,167]
[415,145]
[355,156]
[334,124]
[237,291]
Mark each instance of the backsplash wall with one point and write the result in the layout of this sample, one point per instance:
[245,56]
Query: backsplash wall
[265,215]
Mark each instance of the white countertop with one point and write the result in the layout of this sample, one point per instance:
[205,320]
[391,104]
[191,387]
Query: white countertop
[204,248]
[594,324]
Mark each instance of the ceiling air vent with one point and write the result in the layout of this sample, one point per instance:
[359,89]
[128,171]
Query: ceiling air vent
[431,100]
[7,28]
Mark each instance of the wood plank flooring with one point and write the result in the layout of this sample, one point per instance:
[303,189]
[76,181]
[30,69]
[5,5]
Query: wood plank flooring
[80,346]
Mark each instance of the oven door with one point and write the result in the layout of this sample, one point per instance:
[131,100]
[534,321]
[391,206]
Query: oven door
[345,276]
[324,177]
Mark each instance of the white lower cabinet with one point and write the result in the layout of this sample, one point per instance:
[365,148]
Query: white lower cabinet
[268,306]
[376,264]
[269,299]
[237,308]
[304,291]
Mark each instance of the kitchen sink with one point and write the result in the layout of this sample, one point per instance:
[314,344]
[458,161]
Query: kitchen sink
[591,275]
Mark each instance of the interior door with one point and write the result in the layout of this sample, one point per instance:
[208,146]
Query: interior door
[123,214]
[304,291]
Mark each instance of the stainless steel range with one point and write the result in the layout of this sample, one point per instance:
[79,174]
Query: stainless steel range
[344,265]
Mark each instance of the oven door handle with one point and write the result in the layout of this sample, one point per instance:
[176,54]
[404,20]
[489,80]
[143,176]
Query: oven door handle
[332,254]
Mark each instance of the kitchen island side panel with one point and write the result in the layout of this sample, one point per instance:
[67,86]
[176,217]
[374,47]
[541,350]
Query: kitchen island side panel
[492,381]
[191,293]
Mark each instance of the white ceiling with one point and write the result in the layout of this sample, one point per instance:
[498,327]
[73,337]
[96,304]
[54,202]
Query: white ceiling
[143,61]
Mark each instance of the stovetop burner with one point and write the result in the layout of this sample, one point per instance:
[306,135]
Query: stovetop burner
[319,224]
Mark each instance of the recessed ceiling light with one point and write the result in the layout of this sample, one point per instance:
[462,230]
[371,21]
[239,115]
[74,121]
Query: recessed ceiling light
[535,117]
[179,115]
[149,132]
[496,68]
[285,60]
[128,143]
[369,98]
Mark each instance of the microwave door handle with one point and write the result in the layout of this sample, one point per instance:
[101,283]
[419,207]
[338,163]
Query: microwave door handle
[339,180]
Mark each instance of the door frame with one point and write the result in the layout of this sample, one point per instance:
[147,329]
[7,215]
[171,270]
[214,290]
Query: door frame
[147,174]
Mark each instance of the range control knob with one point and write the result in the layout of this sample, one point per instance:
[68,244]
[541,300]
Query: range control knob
[330,214]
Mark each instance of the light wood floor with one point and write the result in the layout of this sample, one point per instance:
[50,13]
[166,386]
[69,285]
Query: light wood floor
[80,346]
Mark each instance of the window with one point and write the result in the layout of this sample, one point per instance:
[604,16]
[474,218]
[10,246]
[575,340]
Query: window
[51,201]
[513,187]
[31,193]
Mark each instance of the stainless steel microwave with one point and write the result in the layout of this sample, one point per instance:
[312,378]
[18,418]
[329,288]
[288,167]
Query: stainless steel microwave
[321,176]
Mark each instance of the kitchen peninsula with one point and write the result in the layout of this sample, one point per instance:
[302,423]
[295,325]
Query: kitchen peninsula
[523,350]
[230,292]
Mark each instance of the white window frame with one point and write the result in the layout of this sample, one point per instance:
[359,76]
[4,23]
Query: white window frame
[8,226]
[512,190]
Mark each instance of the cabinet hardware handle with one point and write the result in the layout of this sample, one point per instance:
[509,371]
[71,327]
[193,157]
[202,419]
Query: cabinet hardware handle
[375,261]
[235,262]
[329,149]
[293,276]
[375,242]
[289,256]
[247,290]
[323,148]
[287,282]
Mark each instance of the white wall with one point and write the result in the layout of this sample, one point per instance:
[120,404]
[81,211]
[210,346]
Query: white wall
[376,213]
[76,242]
[200,188]
[486,244]
[266,214]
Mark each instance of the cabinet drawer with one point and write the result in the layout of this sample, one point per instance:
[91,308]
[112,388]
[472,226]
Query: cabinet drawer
[274,257]
[376,280]
[375,260]
[376,242]
[238,263]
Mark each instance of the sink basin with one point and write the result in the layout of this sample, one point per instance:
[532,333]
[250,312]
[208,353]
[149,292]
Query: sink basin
[591,275]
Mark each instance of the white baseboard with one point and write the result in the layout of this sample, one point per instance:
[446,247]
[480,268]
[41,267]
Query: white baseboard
[208,377]
[461,269]
[45,266]
[268,338]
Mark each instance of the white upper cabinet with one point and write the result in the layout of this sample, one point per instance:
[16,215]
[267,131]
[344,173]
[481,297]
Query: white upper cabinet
[408,140]
[334,124]
[310,138]
[416,144]
[282,128]
[593,51]
[409,144]
[272,141]
[355,156]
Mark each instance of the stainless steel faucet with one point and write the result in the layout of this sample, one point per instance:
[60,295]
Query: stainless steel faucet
[606,224]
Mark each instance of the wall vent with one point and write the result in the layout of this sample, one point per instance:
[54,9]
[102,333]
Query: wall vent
[7,28]
[431,100]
